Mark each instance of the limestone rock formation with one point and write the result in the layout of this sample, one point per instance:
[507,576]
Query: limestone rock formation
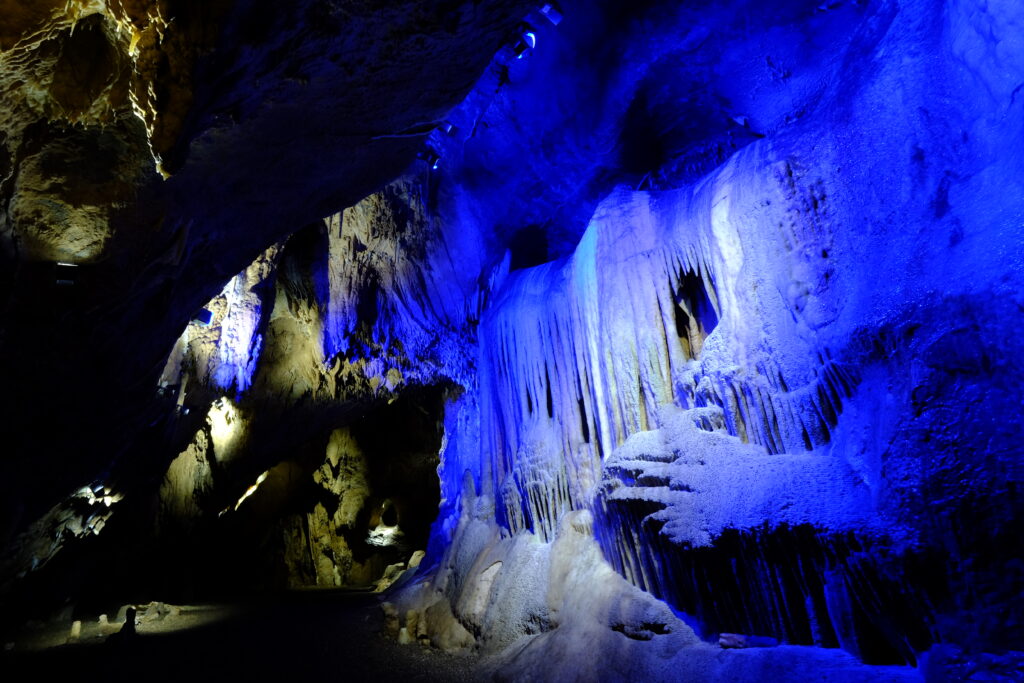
[609,348]
[712,373]
[99,97]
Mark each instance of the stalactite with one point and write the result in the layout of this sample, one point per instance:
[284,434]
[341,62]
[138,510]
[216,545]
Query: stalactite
[635,399]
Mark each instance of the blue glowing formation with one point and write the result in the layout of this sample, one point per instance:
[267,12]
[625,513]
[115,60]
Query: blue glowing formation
[734,294]
[782,375]
[551,13]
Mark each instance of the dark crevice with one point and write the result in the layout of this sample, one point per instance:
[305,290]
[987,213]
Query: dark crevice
[547,386]
[694,313]
[584,427]
[528,247]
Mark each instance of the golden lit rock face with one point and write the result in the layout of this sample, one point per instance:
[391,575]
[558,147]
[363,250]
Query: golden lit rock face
[68,189]
[166,40]
[90,75]
[271,116]
[88,62]
[94,93]
[186,485]
[67,62]
[344,476]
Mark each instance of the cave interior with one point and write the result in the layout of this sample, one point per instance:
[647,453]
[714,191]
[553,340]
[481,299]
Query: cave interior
[512,340]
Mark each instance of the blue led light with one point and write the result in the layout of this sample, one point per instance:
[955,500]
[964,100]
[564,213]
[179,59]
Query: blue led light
[551,13]
[527,41]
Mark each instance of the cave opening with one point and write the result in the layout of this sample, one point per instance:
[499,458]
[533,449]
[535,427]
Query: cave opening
[694,313]
[528,247]
[347,509]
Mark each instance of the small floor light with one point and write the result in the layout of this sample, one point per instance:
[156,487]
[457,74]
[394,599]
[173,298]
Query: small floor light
[65,273]
[204,317]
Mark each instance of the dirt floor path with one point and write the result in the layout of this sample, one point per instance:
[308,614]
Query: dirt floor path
[308,636]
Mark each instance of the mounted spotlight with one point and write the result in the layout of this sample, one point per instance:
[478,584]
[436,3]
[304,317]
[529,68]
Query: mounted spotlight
[204,317]
[432,158]
[527,41]
[65,273]
[552,13]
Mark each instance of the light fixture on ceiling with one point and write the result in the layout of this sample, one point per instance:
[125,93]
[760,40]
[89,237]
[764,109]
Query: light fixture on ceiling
[527,41]
[432,158]
[552,13]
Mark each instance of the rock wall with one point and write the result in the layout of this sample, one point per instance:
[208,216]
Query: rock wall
[769,389]
[159,147]
[281,413]
[766,385]
[325,332]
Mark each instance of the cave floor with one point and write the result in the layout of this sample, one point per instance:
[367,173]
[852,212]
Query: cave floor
[308,635]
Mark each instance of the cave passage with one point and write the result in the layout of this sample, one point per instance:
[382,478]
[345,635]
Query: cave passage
[580,340]
[298,636]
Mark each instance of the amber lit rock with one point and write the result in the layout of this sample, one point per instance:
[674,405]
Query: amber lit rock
[98,98]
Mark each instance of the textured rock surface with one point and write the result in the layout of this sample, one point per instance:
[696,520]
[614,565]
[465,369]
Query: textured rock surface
[558,611]
[339,519]
[765,383]
[707,322]
[94,93]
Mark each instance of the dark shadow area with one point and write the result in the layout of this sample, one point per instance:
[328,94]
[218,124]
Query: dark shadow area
[694,312]
[310,635]
[529,247]
[243,549]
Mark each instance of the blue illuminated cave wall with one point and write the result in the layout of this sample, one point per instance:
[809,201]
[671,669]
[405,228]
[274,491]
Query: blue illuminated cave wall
[780,364]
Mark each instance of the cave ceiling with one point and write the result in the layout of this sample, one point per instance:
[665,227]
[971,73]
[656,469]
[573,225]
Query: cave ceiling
[161,146]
